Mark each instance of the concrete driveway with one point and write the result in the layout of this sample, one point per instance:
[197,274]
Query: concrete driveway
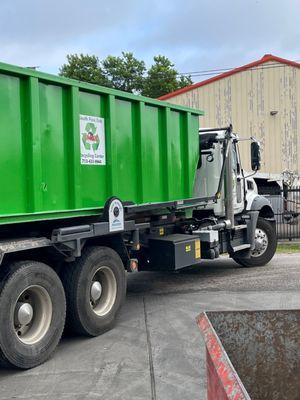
[156,351]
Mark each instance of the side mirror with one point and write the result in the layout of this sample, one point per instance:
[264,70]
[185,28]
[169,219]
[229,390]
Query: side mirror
[255,156]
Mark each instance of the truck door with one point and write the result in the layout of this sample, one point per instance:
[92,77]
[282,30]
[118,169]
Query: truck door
[238,182]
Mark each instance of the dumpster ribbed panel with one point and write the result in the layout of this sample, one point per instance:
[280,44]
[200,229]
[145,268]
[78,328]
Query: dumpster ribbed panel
[20,170]
[34,148]
[48,169]
[71,121]
[111,181]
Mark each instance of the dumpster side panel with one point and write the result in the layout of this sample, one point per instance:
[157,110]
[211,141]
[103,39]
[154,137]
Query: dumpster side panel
[149,148]
[125,137]
[264,349]
[94,190]
[13,193]
[153,153]
[175,165]
[222,380]
[54,151]
[193,149]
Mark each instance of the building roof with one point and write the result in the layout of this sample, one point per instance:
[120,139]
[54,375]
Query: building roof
[264,59]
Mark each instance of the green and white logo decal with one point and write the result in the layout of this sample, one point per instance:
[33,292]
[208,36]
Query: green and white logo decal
[92,140]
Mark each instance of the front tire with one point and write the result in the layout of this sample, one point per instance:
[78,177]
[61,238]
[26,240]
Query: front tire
[95,286]
[32,313]
[266,243]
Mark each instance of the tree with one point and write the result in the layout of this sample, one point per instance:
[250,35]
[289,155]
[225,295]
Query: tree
[85,68]
[125,72]
[184,81]
[162,78]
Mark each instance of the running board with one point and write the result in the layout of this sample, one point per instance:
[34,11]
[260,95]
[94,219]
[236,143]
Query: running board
[241,247]
[240,227]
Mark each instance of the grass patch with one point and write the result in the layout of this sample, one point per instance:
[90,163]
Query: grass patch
[288,248]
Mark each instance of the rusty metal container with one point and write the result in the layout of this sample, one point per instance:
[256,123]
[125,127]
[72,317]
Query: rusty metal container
[252,355]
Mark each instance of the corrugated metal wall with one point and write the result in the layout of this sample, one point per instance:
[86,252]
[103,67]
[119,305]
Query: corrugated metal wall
[246,99]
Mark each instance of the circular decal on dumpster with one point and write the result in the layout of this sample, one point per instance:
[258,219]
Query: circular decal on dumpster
[116,216]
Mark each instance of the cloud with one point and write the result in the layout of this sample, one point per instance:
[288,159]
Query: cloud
[226,33]
[195,34]
[40,32]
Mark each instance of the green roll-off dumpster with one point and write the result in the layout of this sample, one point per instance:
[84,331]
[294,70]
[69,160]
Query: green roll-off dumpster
[67,146]
[95,183]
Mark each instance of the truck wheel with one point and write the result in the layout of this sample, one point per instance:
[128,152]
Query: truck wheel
[265,245]
[32,313]
[95,286]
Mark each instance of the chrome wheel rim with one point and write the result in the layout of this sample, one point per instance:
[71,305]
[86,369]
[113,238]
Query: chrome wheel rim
[32,314]
[103,291]
[261,242]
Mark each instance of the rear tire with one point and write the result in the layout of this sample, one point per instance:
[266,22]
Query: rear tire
[95,286]
[32,313]
[266,236]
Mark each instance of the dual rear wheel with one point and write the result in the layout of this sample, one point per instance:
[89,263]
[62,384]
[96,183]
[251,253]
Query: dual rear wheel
[35,303]
[95,287]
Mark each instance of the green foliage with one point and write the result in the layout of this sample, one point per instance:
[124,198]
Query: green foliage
[288,247]
[126,73]
[184,81]
[84,68]
[162,78]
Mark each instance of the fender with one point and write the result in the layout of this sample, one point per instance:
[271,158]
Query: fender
[261,204]
[257,206]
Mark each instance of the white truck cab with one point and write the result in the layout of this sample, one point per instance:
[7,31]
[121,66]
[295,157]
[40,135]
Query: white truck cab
[236,201]
[210,168]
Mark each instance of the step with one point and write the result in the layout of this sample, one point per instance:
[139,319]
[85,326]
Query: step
[241,247]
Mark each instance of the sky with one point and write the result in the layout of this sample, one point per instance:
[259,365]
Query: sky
[197,35]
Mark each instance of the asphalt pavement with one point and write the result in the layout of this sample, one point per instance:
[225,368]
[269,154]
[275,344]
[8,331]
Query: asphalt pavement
[156,351]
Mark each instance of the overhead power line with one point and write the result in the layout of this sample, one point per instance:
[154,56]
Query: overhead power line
[218,71]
